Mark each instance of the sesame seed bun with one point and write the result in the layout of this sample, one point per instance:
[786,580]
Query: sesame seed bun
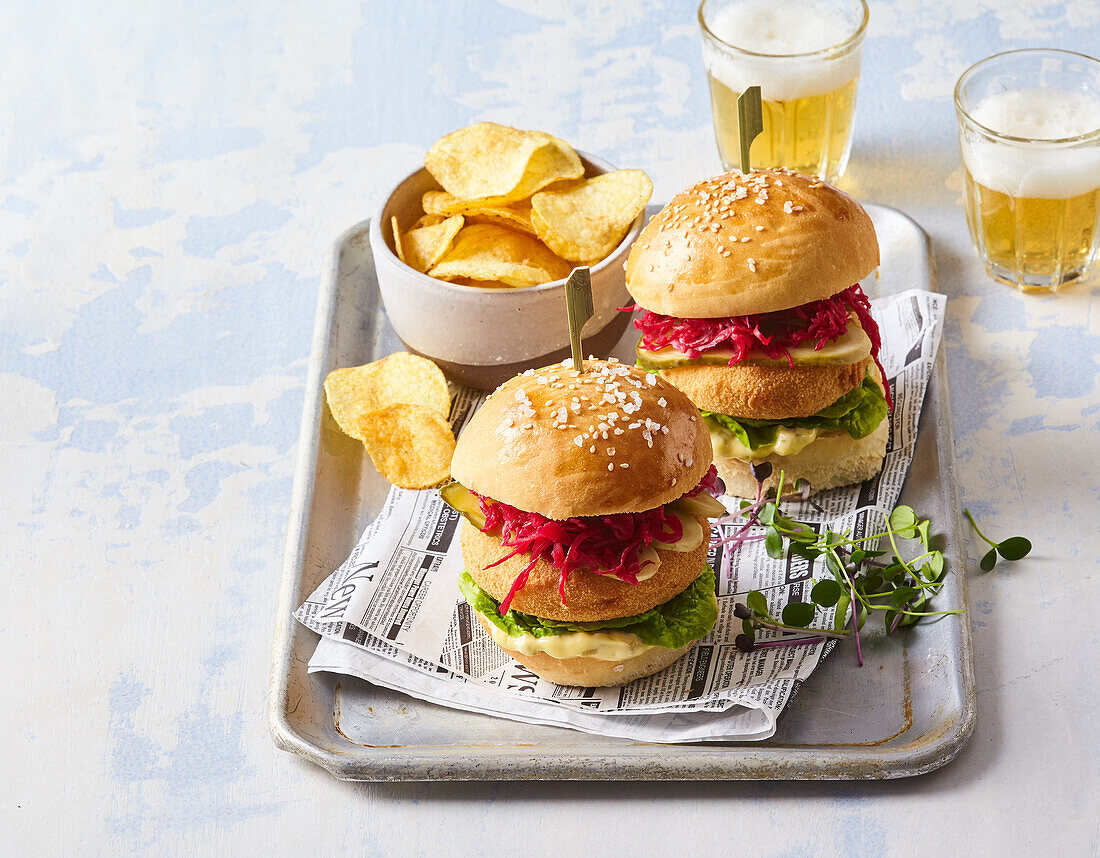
[833,459]
[739,244]
[561,443]
[588,597]
[767,392]
[589,672]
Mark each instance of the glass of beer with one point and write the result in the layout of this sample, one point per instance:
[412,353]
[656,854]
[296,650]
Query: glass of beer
[805,56]
[1029,135]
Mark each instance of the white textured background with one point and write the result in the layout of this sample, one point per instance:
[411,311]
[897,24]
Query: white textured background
[172,177]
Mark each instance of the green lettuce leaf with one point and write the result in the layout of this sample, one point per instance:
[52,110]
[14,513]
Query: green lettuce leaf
[685,617]
[858,412]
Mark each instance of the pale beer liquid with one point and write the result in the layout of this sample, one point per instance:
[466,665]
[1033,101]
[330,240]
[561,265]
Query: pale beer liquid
[1030,241]
[805,57]
[811,135]
[1033,208]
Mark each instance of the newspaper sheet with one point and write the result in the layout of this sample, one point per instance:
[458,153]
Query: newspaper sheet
[392,615]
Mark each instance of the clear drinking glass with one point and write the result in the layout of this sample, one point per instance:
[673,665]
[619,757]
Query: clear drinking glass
[1029,136]
[805,55]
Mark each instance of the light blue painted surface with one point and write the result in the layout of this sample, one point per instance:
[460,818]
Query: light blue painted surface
[172,177]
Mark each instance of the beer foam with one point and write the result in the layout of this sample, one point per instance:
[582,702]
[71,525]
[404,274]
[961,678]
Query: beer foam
[1039,113]
[794,27]
[1038,170]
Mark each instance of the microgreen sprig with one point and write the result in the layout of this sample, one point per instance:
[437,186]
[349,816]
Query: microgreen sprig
[864,579]
[1013,548]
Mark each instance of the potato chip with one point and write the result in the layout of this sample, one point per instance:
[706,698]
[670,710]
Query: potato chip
[497,164]
[586,221]
[410,445]
[441,203]
[428,220]
[398,249]
[483,251]
[425,246]
[354,392]
[515,215]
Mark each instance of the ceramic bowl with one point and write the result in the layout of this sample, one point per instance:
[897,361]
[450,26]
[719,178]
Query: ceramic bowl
[481,337]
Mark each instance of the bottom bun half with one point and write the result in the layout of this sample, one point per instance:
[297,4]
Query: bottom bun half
[831,460]
[589,672]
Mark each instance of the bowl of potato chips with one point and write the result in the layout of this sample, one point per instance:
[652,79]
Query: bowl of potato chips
[472,251]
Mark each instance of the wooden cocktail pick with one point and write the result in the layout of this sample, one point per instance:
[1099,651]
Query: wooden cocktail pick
[578,303]
[750,122]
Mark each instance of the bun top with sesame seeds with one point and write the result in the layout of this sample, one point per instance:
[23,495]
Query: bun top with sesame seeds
[739,244]
[612,439]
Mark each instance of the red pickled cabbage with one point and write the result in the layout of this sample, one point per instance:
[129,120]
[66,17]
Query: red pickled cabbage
[606,544]
[773,334]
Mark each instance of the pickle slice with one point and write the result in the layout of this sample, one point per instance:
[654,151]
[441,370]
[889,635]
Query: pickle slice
[700,504]
[461,500]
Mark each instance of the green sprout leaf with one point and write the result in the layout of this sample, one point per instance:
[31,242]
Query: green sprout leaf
[1014,548]
[799,614]
[773,543]
[902,596]
[989,560]
[842,605]
[825,593]
[903,521]
[803,536]
[757,603]
[932,570]
[874,582]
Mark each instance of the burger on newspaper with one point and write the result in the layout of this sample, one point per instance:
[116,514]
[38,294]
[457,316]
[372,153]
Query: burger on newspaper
[586,497]
[750,286]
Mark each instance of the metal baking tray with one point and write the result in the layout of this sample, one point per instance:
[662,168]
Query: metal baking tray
[910,709]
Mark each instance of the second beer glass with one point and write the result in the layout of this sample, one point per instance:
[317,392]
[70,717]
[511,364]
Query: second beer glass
[1029,134]
[805,55]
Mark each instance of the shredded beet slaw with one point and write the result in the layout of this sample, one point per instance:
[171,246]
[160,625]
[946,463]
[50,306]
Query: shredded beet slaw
[773,334]
[606,545]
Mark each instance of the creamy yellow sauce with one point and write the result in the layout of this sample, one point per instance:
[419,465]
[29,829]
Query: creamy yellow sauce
[692,534]
[787,443]
[604,646]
